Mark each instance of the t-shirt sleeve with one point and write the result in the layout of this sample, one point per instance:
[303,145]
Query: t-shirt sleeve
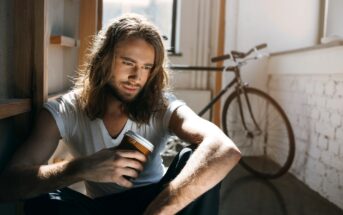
[174,103]
[63,110]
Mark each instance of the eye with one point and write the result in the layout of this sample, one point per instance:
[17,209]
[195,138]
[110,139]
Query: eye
[127,63]
[148,68]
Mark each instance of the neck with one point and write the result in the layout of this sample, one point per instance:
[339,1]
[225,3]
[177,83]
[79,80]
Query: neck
[115,117]
[114,107]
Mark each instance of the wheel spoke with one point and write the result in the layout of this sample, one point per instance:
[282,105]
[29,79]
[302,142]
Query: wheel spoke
[270,152]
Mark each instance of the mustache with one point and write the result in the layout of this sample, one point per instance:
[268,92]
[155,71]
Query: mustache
[132,84]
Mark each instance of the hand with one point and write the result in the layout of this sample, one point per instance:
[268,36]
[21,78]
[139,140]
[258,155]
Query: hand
[111,165]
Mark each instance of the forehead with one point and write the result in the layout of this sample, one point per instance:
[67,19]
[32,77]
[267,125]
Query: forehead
[136,48]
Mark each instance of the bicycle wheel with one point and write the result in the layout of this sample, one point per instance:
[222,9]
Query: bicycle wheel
[267,151]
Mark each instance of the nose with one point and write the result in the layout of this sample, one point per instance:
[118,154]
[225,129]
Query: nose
[136,73]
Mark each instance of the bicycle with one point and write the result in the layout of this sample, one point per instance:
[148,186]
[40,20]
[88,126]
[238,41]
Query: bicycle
[251,118]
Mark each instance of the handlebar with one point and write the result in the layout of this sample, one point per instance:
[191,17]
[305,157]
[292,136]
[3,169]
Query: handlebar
[236,54]
[261,46]
[220,58]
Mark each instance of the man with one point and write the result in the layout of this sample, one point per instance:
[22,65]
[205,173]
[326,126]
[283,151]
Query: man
[123,87]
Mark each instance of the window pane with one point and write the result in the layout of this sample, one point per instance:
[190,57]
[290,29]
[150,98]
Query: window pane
[157,11]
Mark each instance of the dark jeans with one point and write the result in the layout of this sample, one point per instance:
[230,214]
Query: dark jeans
[131,202]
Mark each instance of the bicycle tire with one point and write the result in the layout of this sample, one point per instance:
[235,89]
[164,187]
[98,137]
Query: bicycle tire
[269,154]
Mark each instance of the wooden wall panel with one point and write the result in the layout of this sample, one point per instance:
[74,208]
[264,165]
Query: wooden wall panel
[22,47]
[220,51]
[88,26]
[40,90]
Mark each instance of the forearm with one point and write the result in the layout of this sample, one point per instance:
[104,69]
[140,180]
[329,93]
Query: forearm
[207,166]
[23,182]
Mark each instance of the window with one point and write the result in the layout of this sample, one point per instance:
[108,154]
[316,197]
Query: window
[161,12]
[334,19]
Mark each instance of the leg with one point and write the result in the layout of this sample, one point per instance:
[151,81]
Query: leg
[177,165]
[136,200]
[63,201]
[208,203]
[133,201]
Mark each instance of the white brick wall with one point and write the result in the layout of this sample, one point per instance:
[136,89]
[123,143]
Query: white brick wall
[314,104]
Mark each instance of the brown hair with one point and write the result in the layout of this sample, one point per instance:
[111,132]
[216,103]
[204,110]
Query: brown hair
[95,75]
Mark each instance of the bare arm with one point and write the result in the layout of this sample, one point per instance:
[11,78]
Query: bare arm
[209,164]
[27,175]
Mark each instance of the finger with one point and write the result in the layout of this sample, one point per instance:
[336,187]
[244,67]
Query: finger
[131,173]
[132,154]
[129,162]
[124,182]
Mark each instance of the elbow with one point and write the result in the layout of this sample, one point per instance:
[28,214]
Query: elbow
[235,154]
[226,149]
[232,153]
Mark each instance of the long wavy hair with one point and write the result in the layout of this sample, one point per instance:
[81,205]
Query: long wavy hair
[96,73]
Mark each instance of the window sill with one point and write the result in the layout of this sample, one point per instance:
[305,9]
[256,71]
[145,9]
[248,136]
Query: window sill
[64,41]
[13,107]
[174,54]
[311,48]
[324,59]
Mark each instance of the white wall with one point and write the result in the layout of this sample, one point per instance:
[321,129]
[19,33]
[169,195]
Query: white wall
[55,52]
[198,27]
[293,22]
[283,25]
[309,86]
[62,19]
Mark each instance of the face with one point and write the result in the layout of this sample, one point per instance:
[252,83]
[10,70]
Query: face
[131,66]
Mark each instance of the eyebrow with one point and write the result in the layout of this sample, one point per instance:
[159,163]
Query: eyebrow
[133,61]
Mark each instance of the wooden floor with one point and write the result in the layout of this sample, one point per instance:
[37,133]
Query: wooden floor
[245,194]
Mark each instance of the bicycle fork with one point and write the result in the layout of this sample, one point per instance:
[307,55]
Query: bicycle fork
[249,133]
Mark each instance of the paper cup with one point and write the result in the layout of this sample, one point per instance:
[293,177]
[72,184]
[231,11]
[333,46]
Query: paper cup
[134,141]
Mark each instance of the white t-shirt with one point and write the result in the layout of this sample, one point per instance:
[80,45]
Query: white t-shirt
[85,137]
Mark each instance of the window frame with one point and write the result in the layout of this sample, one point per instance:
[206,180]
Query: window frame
[172,49]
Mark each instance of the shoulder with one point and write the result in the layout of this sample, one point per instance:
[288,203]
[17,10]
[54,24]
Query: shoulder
[171,103]
[66,112]
[66,102]
[70,98]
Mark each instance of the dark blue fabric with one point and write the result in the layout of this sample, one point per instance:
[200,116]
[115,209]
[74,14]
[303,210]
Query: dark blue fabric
[131,202]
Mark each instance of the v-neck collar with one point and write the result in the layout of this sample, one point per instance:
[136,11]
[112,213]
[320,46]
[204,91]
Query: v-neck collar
[109,141]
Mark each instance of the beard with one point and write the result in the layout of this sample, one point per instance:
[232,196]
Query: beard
[114,92]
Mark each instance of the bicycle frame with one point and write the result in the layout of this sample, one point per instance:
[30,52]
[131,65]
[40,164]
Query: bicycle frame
[239,87]
[217,97]
[201,68]
[247,128]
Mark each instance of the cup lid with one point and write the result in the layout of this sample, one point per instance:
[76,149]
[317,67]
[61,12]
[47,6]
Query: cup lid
[141,139]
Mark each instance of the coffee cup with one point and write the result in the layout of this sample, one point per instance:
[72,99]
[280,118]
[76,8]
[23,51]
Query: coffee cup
[134,141]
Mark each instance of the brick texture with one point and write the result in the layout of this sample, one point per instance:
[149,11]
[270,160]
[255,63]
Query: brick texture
[314,105]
